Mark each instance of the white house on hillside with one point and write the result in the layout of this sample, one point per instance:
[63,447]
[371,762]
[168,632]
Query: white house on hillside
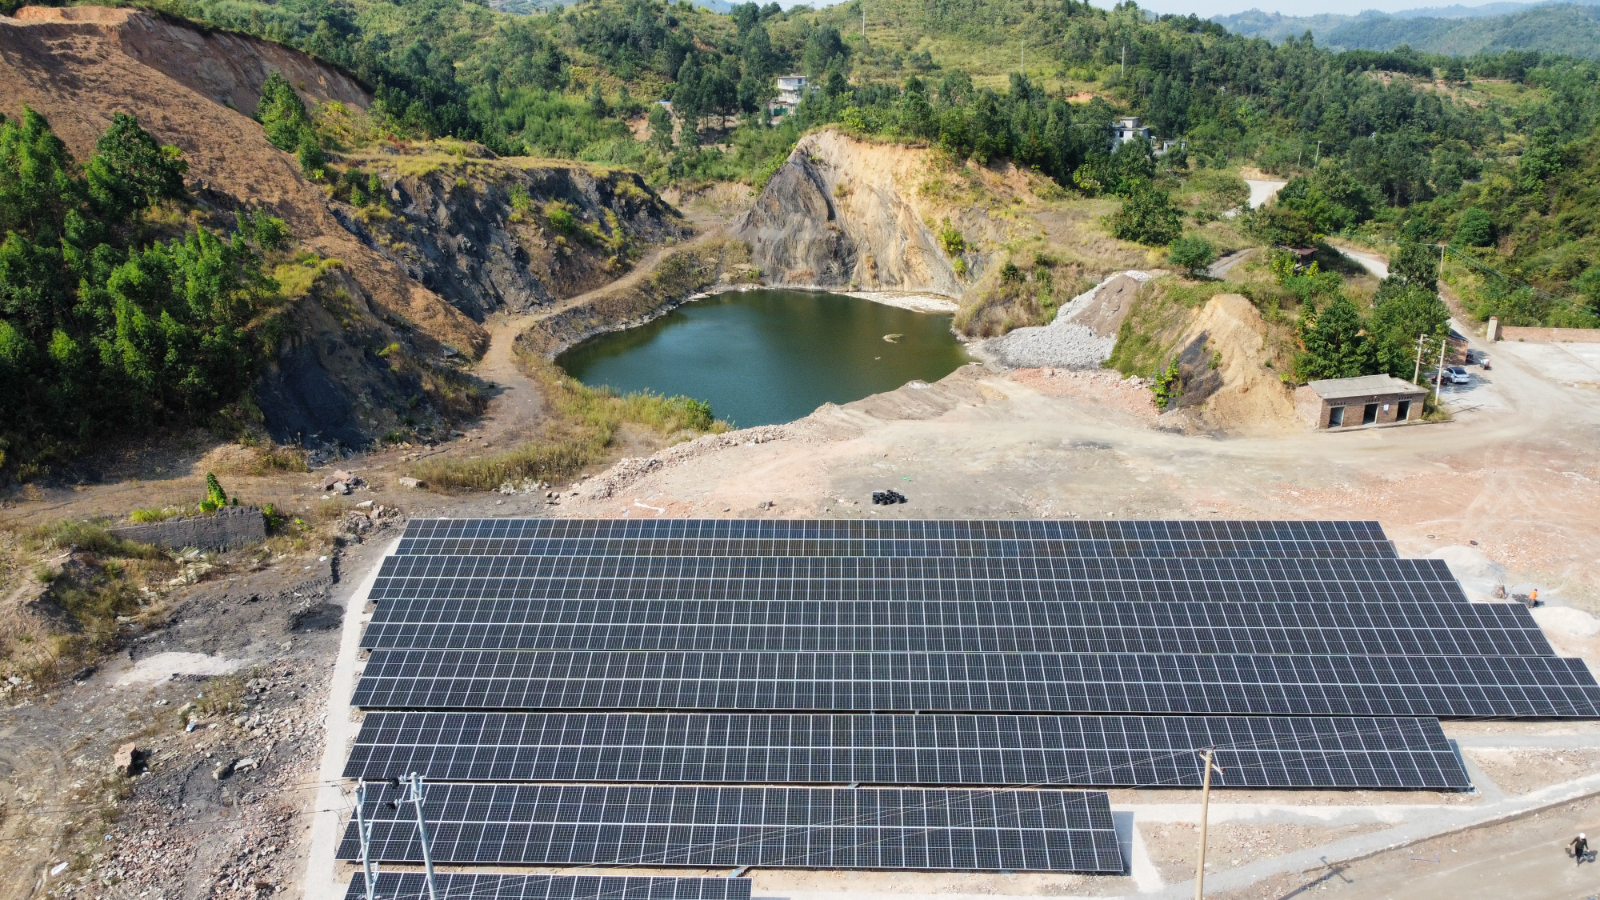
[791,88]
[1128,129]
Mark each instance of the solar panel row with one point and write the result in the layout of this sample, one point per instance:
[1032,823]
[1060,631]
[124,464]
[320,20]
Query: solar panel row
[777,578]
[1065,751]
[475,886]
[1367,629]
[900,529]
[978,682]
[891,547]
[833,828]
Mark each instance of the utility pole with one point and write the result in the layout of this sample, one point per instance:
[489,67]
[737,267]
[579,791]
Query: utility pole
[1209,756]
[1422,341]
[863,21]
[1124,60]
[1438,376]
[1319,155]
[369,869]
[415,782]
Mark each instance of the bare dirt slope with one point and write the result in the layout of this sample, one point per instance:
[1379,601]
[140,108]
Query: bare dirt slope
[1251,398]
[76,68]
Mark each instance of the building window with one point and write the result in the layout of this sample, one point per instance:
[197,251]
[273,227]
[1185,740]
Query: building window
[1336,417]
[1403,412]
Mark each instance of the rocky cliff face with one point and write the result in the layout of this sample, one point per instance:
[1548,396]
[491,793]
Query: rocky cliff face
[843,213]
[480,233]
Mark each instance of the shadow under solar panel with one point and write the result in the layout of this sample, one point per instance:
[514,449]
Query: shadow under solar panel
[1343,629]
[1384,686]
[829,828]
[1064,751]
[485,886]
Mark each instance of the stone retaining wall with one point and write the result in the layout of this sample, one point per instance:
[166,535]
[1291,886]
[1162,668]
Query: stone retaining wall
[233,526]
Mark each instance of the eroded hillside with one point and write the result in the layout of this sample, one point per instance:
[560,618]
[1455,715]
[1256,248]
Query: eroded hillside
[389,297]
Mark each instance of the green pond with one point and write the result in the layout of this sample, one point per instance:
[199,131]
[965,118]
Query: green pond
[762,357]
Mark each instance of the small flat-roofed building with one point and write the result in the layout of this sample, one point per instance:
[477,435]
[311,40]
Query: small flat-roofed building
[1353,402]
[791,90]
[1128,129]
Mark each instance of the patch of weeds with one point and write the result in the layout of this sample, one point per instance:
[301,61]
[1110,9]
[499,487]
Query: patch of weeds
[586,423]
[222,695]
[92,537]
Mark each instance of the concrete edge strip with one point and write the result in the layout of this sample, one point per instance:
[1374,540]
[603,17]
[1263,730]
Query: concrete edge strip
[329,799]
[1583,789]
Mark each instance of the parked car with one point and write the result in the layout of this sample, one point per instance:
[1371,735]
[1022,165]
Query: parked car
[1456,375]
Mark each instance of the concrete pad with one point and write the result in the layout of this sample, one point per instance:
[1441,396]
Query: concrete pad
[1568,363]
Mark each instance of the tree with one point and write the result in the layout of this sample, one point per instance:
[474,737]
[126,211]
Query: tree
[1193,254]
[1334,344]
[823,50]
[660,128]
[130,171]
[1475,228]
[1541,160]
[1396,322]
[1588,285]
[283,115]
[1414,264]
[99,330]
[1147,217]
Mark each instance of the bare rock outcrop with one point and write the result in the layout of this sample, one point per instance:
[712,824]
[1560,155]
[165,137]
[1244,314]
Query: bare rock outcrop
[475,231]
[843,213]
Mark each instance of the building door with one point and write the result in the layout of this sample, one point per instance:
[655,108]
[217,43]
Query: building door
[1336,417]
[1403,412]
[1370,414]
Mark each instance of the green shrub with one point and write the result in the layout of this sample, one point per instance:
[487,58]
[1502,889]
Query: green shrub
[561,219]
[1192,254]
[1147,217]
[951,240]
[1475,228]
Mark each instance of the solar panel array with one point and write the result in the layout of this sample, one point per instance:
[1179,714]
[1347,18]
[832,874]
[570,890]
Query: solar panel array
[610,692]
[764,748]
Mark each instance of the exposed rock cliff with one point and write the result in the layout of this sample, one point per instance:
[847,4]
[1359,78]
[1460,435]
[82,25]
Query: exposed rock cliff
[479,232]
[842,213]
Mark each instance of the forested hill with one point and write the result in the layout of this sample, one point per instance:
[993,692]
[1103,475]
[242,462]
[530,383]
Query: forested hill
[1566,28]
[1037,81]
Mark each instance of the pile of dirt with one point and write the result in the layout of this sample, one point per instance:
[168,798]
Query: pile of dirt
[1229,383]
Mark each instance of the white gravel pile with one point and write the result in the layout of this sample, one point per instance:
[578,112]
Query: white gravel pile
[1063,343]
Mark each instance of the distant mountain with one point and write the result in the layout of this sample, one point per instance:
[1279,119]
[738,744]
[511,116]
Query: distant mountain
[1571,27]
